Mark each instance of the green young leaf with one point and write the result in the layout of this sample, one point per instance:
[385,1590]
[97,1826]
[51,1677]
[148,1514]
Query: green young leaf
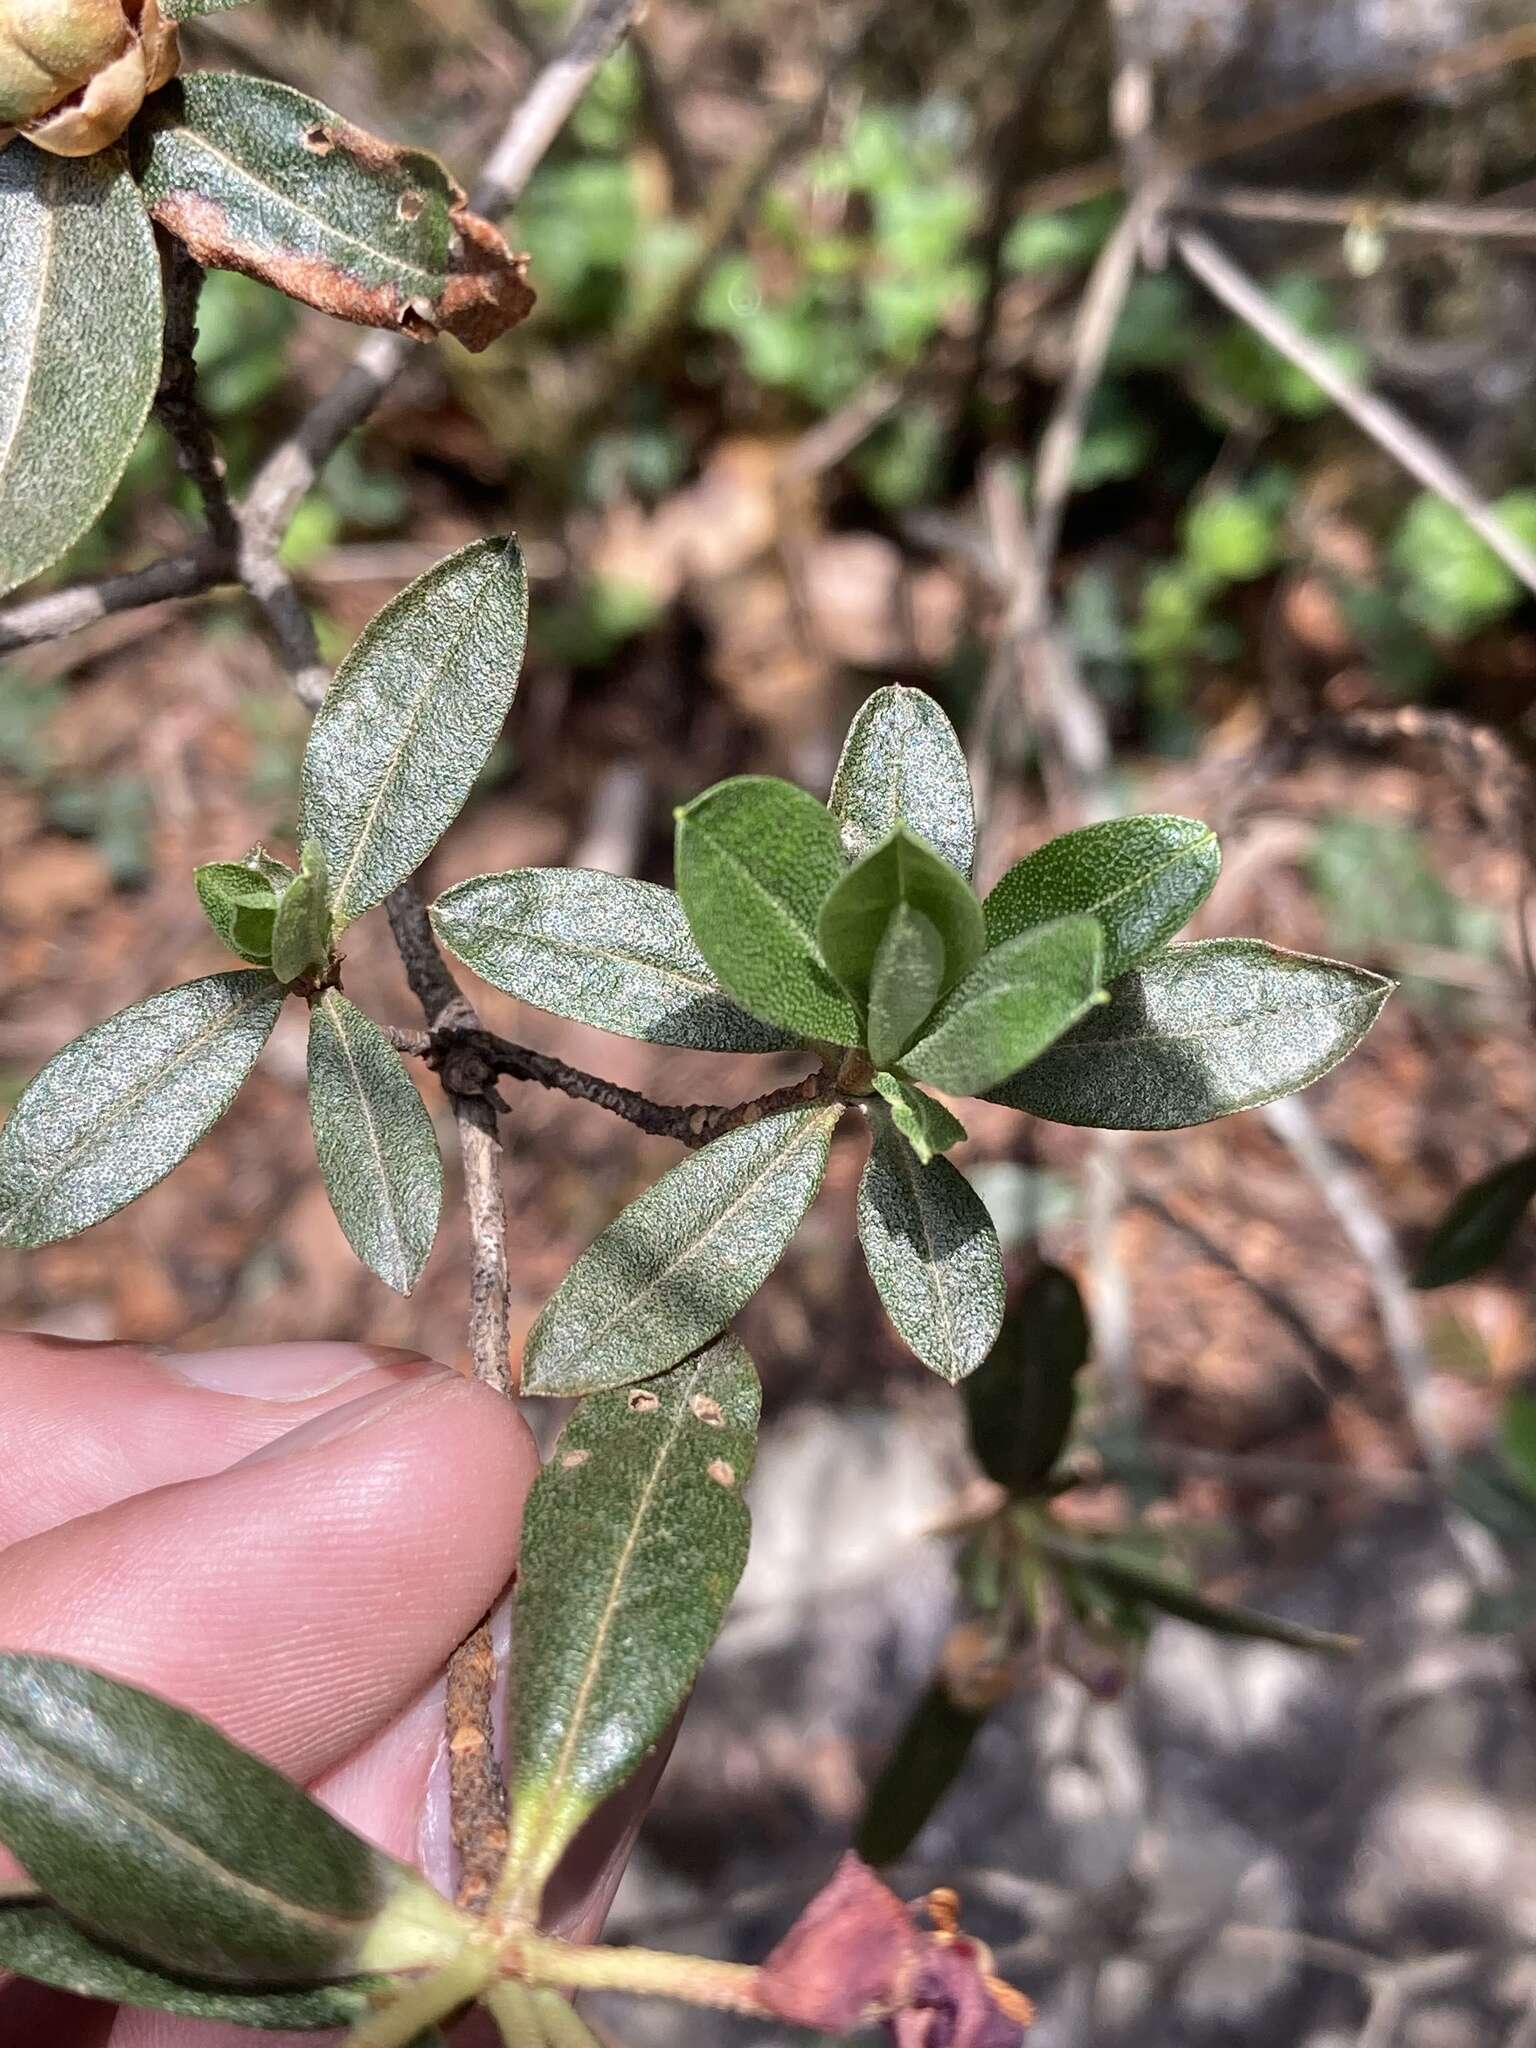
[1198,1032]
[929,1755]
[601,949]
[241,905]
[671,1270]
[255,177]
[756,859]
[1021,1403]
[904,983]
[410,720]
[119,1107]
[377,1150]
[927,1126]
[1478,1225]
[80,324]
[1127,1577]
[932,1254]
[634,1536]
[154,1833]
[1022,997]
[301,929]
[38,1942]
[902,765]
[856,915]
[1143,879]
[276,871]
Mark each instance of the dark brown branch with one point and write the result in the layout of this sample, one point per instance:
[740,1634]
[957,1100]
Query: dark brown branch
[471,1062]
[176,402]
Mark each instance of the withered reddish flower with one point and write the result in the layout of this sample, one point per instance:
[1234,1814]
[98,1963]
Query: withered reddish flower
[73,73]
[856,1954]
[847,1959]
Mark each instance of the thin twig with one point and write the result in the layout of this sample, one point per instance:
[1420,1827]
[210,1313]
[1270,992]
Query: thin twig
[1429,218]
[176,401]
[1372,414]
[473,1060]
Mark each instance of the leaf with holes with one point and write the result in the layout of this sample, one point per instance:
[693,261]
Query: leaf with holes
[672,1269]
[1141,879]
[902,871]
[240,903]
[932,1254]
[756,859]
[1022,997]
[602,949]
[902,765]
[255,177]
[1479,1224]
[1021,1403]
[301,928]
[1125,1576]
[634,1537]
[374,1138]
[410,719]
[80,325]
[154,1833]
[1198,1032]
[119,1107]
[928,1127]
[40,1943]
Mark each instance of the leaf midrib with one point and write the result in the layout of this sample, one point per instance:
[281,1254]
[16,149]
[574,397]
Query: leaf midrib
[131,1101]
[51,173]
[706,986]
[327,230]
[779,1158]
[111,1795]
[1197,1033]
[806,945]
[552,1789]
[386,1191]
[391,769]
[907,1160]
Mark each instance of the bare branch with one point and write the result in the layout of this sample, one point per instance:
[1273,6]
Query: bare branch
[176,402]
[1372,414]
[1427,218]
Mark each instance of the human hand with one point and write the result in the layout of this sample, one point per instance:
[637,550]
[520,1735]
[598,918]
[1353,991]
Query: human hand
[288,1540]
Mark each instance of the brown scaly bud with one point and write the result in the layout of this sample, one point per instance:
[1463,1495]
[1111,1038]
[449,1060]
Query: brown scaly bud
[73,73]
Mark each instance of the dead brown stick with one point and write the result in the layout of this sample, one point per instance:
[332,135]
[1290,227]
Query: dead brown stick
[1431,219]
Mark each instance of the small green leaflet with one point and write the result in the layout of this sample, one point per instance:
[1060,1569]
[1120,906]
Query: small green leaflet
[672,1269]
[904,983]
[1478,1226]
[301,929]
[1141,879]
[156,1834]
[927,1126]
[1022,997]
[602,949]
[932,1254]
[375,1142]
[926,1761]
[255,177]
[1199,1031]
[1127,1576]
[634,1537]
[410,719]
[241,905]
[756,859]
[38,1942]
[114,1111]
[900,870]
[1021,1403]
[80,326]
[902,765]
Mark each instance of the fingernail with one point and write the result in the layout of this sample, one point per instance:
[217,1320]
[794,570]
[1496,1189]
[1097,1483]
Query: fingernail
[287,1372]
[353,1416]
